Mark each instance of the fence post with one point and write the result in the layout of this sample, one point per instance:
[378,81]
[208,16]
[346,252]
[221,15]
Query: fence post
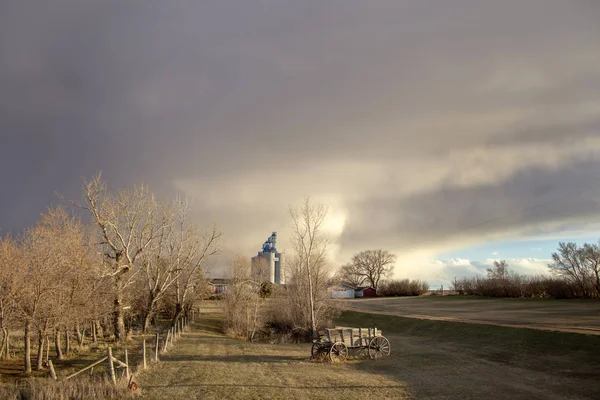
[126,365]
[52,371]
[111,368]
[144,353]
[172,334]
[167,341]
[156,348]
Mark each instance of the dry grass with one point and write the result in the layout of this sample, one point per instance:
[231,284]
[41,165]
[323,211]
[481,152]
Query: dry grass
[91,384]
[43,389]
[208,365]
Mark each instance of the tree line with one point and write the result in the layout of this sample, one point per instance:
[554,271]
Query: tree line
[106,265]
[574,273]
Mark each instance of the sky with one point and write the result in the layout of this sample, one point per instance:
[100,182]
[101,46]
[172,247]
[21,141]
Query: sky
[451,133]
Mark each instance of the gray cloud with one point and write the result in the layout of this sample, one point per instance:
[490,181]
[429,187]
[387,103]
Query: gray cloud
[521,204]
[412,119]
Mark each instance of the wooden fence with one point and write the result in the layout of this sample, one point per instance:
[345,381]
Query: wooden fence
[112,362]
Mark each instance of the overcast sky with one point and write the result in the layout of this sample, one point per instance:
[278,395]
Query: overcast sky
[431,128]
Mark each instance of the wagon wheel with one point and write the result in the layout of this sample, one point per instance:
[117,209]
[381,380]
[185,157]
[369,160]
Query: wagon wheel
[338,352]
[379,347]
[362,351]
[317,351]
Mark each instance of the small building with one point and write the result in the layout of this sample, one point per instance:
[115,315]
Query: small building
[343,291]
[218,286]
[365,291]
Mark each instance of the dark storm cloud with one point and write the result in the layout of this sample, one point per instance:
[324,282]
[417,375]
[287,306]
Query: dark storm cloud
[524,204]
[344,99]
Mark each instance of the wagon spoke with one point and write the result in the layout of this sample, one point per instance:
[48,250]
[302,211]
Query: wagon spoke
[379,347]
[338,352]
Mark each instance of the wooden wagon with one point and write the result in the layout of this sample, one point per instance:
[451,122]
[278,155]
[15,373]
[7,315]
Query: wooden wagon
[335,343]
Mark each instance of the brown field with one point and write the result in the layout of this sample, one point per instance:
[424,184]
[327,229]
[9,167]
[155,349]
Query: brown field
[582,316]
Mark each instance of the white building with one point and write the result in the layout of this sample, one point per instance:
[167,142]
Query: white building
[343,291]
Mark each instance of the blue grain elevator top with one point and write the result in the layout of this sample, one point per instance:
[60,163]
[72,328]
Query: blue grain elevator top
[270,246]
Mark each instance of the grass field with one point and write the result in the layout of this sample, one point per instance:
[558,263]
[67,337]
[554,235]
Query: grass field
[207,365]
[430,359]
[581,316]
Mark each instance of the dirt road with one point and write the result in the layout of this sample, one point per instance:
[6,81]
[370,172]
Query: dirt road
[558,315]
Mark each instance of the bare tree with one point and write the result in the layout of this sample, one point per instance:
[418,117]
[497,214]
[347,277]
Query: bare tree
[175,260]
[578,265]
[295,310]
[351,274]
[500,270]
[499,277]
[128,223]
[310,246]
[9,287]
[243,304]
[590,253]
[44,250]
[374,265]
[191,280]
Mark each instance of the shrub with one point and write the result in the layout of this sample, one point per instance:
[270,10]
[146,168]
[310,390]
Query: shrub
[517,286]
[286,321]
[402,287]
[266,290]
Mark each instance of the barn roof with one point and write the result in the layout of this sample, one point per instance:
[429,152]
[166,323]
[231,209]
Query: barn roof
[347,285]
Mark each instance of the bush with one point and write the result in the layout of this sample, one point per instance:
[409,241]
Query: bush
[402,287]
[266,290]
[517,286]
[287,323]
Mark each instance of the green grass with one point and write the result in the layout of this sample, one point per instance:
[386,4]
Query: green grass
[482,338]
[523,299]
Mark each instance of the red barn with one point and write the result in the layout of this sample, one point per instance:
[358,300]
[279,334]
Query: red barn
[366,292]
